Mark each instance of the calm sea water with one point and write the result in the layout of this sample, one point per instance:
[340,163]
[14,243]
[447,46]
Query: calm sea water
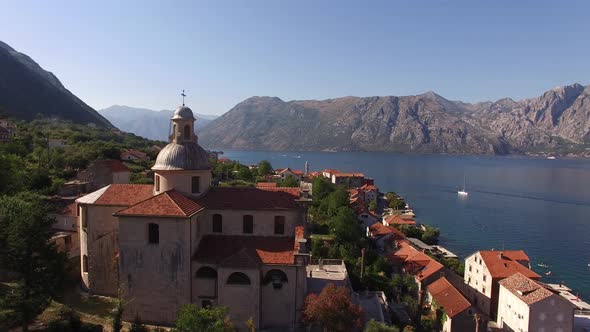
[538,205]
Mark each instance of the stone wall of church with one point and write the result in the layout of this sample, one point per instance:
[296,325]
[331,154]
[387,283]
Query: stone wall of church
[155,278]
[232,221]
[280,305]
[102,245]
[181,181]
[243,301]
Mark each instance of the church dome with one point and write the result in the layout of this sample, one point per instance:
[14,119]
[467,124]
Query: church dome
[183,112]
[185,156]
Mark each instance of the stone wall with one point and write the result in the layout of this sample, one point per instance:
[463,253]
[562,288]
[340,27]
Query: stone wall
[232,221]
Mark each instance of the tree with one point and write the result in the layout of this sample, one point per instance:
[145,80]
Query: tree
[333,308]
[321,187]
[194,319]
[117,323]
[374,326]
[372,205]
[25,249]
[264,168]
[289,182]
[430,235]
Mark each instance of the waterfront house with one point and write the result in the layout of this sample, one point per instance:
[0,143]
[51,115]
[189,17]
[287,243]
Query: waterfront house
[370,191]
[527,305]
[284,173]
[483,271]
[349,180]
[384,237]
[444,299]
[395,219]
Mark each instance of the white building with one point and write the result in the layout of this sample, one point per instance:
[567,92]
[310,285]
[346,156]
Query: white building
[525,305]
[483,271]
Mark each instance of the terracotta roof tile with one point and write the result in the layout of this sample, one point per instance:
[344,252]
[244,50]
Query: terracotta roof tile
[378,229]
[502,264]
[526,289]
[299,234]
[125,194]
[113,165]
[395,219]
[348,175]
[294,191]
[233,198]
[368,187]
[167,204]
[266,184]
[414,261]
[215,249]
[448,297]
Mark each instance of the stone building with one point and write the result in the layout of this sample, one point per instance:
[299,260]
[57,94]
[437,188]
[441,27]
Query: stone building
[182,241]
[104,172]
[459,312]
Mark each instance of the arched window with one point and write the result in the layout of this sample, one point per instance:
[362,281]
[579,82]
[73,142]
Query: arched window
[248,224]
[276,277]
[217,223]
[187,132]
[153,233]
[84,263]
[206,272]
[238,278]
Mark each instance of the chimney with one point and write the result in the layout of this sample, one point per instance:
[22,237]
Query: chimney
[302,246]
[500,255]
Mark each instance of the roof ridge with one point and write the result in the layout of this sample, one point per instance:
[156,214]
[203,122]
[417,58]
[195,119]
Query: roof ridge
[173,201]
[145,200]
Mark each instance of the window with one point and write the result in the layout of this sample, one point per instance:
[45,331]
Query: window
[157,183]
[84,263]
[206,272]
[469,268]
[195,184]
[469,281]
[206,304]
[484,277]
[483,290]
[238,278]
[187,132]
[248,224]
[276,277]
[153,233]
[279,224]
[217,223]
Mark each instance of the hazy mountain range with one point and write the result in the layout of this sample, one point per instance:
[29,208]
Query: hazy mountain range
[556,122]
[27,90]
[147,123]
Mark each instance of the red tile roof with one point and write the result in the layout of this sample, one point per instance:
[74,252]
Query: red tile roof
[219,249]
[167,204]
[125,194]
[368,187]
[294,191]
[378,229]
[234,198]
[415,262]
[502,264]
[526,289]
[298,172]
[113,165]
[448,298]
[266,184]
[299,234]
[395,219]
[348,175]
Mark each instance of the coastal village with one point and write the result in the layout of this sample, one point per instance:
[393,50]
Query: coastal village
[258,250]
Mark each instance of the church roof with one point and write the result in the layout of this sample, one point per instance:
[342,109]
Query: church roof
[245,251]
[234,198]
[182,156]
[167,204]
[118,194]
[183,112]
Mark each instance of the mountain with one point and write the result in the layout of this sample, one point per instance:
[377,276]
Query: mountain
[147,123]
[556,122]
[27,90]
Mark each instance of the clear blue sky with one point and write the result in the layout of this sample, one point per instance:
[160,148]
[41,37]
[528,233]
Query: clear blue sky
[144,53]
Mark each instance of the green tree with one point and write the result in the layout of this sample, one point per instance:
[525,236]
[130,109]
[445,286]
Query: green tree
[374,326]
[264,168]
[289,181]
[373,205]
[194,319]
[25,249]
[321,187]
[430,235]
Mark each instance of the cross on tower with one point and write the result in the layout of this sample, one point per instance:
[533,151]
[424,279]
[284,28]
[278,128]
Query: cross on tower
[183,95]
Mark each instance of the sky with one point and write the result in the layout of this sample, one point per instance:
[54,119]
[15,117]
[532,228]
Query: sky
[143,53]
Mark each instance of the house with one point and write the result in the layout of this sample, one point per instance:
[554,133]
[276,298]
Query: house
[327,173]
[284,173]
[527,305]
[104,172]
[384,237]
[182,241]
[132,154]
[66,230]
[350,180]
[4,134]
[57,143]
[395,219]
[444,298]
[74,188]
[7,130]
[370,192]
[484,270]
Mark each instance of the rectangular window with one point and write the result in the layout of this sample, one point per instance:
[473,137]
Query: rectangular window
[484,277]
[248,224]
[195,184]
[483,290]
[84,263]
[157,183]
[469,268]
[217,223]
[153,233]
[84,219]
[279,224]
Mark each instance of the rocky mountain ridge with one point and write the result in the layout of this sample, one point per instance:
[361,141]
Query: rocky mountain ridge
[557,122]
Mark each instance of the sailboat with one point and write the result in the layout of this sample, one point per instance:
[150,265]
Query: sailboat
[462,192]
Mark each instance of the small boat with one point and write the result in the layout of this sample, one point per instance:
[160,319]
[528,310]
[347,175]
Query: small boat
[548,273]
[542,265]
[462,192]
[551,158]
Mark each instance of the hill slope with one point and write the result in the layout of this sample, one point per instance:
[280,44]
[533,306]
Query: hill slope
[427,123]
[147,123]
[26,90]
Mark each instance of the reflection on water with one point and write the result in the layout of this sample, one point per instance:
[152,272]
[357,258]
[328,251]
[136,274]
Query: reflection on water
[539,205]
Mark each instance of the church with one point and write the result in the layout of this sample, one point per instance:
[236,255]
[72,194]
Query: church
[181,241]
